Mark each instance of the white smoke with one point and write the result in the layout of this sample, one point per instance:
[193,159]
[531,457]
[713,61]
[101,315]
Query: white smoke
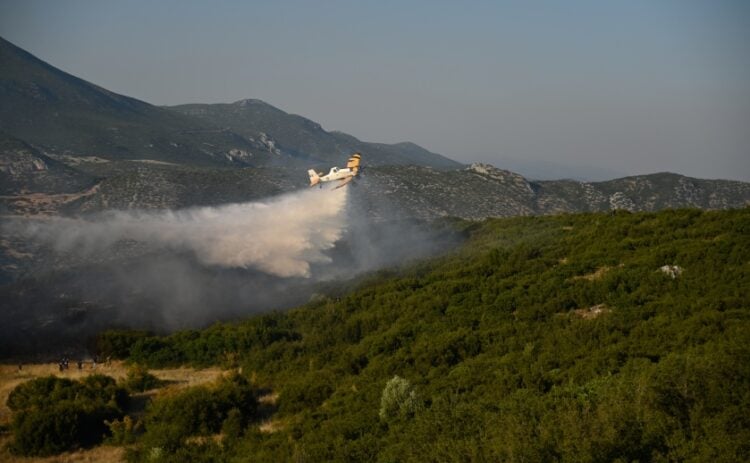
[282,236]
[170,270]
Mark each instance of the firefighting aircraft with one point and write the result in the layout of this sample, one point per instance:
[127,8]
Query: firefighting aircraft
[344,174]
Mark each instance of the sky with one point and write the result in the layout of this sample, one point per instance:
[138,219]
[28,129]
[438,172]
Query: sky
[551,89]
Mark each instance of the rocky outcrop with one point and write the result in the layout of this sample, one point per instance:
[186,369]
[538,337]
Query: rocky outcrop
[23,170]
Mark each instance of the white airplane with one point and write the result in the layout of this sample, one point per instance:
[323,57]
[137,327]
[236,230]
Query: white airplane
[344,174]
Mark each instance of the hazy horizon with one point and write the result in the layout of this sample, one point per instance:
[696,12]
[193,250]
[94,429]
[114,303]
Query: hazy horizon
[557,89]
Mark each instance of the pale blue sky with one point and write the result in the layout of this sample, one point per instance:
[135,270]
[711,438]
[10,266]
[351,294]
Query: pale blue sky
[563,87]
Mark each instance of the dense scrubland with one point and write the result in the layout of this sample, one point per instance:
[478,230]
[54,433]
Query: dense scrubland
[541,339]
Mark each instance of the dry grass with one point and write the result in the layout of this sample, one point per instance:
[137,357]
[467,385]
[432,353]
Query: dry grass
[592,312]
[594,275]
[600,272]
[270,426]
[186,377]
[266,409]
[102,453]
[269,399]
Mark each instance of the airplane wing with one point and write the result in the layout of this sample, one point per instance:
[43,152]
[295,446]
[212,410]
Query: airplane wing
[344,182]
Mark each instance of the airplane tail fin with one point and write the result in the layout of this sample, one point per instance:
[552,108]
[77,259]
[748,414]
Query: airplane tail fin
[314,178]
[354,162]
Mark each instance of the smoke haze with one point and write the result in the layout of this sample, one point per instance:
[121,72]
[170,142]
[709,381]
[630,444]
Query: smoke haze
[169,270]
[281,237]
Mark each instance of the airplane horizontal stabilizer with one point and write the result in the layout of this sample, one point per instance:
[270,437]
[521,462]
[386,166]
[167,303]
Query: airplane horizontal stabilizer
[314,177]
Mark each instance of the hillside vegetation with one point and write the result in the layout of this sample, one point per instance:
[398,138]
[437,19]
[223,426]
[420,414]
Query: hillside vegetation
[542,339]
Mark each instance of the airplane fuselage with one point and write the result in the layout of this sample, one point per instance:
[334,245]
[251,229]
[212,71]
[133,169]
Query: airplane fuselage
[337,173]
[343,174]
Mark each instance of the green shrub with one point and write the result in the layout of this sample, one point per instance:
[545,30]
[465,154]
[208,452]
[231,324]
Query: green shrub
[117,343]
[198,410]
[138,379]
[41,392]
[52,415]
[308,392]
[125,431]
[233,425]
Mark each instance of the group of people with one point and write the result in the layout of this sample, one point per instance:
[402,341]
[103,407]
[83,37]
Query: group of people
[64,363]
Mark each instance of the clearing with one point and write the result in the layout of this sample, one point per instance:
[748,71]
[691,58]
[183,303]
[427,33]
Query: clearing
[11,376]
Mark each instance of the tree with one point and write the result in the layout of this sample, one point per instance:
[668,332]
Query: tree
[399,399]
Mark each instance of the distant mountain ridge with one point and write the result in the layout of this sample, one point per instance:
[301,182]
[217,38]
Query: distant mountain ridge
[305,139]
[61,114]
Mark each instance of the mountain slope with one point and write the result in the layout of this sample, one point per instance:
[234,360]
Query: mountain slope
[25,169]
[485,191]
[642,193]
[388,192]
[67,119]
[63,114]
[303,138]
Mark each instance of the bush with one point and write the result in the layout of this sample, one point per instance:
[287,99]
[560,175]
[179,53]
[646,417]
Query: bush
[41,391]
[117,343]
[52,415]
[309,392]
[123,431]
[398,399]
[138,379]
[233,425]
[201,410]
